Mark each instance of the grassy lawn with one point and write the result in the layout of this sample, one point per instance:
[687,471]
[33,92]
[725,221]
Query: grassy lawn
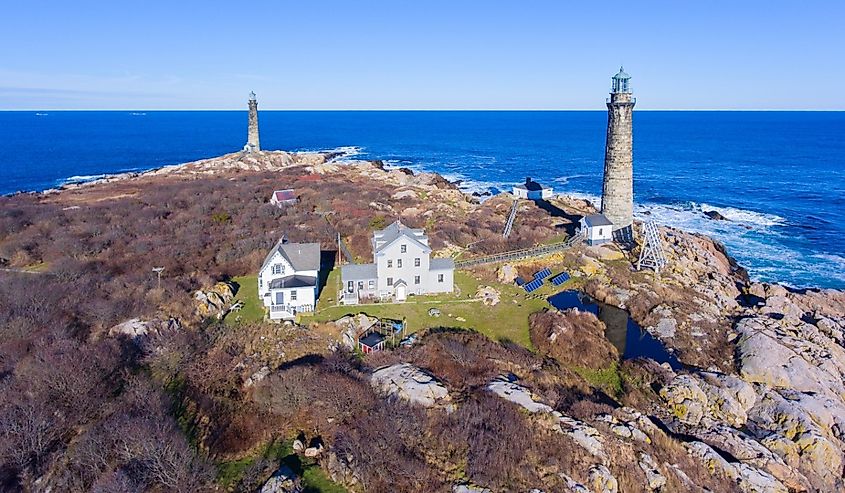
[507,321]
[314,479]
[253,309]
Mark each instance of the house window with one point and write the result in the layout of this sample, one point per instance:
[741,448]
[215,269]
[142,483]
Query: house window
[399,263]
[371,284]
[416,279]
[389,263]
[293,295]
[403,248]
[390,281]
[278,268]
[260,283]
[360,285]
[350,286]
[439,277]
[417,262]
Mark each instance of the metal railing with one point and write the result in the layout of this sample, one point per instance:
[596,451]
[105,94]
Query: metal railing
[520,254]
[291,308]
[511,218]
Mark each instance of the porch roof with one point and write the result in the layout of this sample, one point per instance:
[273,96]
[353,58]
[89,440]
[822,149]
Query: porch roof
[293,282]
[358,272]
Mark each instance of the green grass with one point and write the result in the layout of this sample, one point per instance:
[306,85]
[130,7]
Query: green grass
[607,379]
[314,479]
[253,309]
[507,321]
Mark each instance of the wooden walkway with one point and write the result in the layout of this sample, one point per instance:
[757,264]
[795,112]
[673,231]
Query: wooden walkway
[522,254]
[511,218]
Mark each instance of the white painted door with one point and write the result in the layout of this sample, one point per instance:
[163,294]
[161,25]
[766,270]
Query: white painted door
[400,292]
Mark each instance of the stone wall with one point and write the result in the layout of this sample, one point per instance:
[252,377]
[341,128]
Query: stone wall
[618,186]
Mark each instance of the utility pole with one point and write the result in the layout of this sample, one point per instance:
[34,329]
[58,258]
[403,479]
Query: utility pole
[158,270]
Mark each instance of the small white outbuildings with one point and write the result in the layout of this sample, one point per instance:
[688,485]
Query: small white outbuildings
[283,197]
[597,229]
[532,190]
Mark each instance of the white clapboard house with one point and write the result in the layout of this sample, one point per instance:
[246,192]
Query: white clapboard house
[289,278]
[402,266]
[596,229]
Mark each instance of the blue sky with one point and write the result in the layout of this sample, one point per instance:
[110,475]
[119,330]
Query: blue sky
[430,54]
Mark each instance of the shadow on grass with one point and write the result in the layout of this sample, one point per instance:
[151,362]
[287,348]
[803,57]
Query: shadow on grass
[327,264]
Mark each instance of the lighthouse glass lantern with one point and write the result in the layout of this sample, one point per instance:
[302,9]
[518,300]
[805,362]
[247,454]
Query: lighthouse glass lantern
[621,82]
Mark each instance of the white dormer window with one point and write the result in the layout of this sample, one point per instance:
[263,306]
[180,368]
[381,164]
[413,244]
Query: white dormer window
[403,248]
[278,269]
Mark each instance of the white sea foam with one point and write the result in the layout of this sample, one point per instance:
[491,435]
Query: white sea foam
[743,215]
[82,179]
[563,180]
[346,152]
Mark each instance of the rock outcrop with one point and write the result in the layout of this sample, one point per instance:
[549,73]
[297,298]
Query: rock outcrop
[215,301]
[282,481]
[407,382]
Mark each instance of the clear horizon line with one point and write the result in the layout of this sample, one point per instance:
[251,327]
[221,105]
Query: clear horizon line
[422,109]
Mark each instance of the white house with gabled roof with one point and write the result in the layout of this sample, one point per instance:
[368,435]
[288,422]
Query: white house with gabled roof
[288,281]
[597,229]
[402,266]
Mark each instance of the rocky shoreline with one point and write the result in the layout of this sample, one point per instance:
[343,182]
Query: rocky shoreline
[761,400]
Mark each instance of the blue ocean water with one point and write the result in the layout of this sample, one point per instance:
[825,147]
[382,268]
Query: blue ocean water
[778,176]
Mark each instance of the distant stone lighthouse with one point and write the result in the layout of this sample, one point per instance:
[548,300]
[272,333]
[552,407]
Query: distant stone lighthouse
[252,143]
[617,195]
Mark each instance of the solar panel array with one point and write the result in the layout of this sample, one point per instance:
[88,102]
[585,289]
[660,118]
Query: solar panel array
[542,274]
[533,285]
[560,279]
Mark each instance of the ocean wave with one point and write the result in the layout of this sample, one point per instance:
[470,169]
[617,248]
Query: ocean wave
[71,180]
[743,215]
[563,180]
[345,152]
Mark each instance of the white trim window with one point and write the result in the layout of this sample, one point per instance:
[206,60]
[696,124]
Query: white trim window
[439,277]
[389,264]
[416,279]
[403,248]
[417,262]
[399,263]
[293,295]
[278,269]
[390,281]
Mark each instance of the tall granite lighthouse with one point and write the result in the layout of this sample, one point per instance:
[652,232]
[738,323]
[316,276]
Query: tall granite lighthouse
[252,144]
[617,195]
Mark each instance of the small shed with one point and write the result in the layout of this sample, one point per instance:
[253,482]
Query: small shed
[532,190]
[283,197]
[597,229]
[371,343]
